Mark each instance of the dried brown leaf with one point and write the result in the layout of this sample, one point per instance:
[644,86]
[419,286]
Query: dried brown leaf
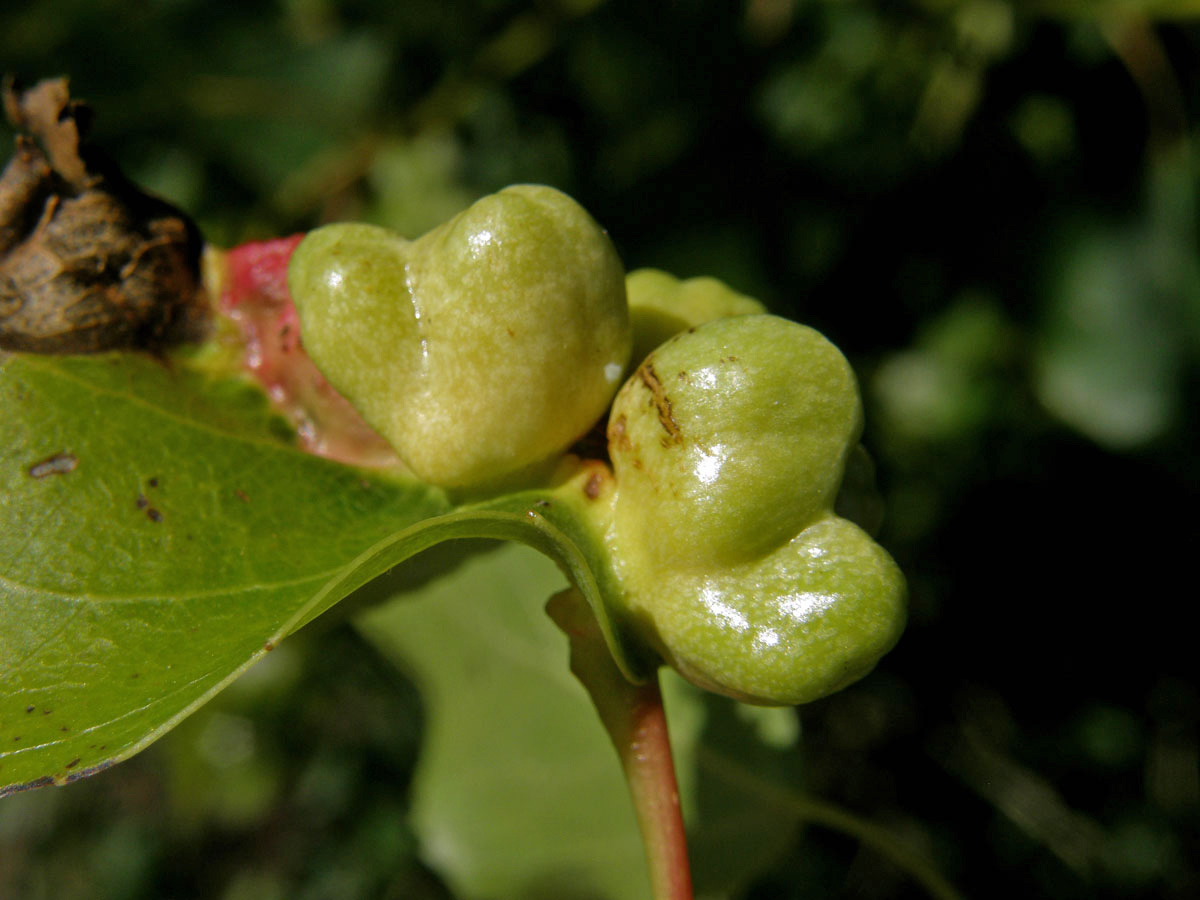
[88,261]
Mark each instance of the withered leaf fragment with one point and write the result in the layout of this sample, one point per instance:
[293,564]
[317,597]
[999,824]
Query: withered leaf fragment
[88,261]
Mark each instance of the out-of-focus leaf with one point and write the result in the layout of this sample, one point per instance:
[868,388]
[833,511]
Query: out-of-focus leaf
[732,835]
[1105,9]
[948,385]
[1109,357]
[1123,315]
[518,793]
[416,183]
[1042,123]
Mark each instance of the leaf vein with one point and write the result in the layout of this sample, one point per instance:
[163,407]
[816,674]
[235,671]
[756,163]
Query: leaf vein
[163,412]
[75,736]
[20,588]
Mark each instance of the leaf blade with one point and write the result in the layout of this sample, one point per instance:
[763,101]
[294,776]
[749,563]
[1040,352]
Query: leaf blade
[180,480]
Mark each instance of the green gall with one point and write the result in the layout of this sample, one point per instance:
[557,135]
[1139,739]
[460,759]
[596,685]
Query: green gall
[661,306]
[480,349]
[729,446]
[740,429]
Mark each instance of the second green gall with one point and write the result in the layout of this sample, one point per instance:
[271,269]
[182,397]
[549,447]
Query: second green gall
[729,445]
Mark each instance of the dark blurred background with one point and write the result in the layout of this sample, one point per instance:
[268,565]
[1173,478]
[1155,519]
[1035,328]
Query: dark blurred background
[991,209]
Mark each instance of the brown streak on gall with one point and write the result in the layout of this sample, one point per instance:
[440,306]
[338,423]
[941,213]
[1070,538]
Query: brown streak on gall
[662,404]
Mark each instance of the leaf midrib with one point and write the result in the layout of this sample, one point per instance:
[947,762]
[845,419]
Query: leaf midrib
[83,597]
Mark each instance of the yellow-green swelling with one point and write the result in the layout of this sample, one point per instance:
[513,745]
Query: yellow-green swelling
[484,347]
[661,306]
[729,446]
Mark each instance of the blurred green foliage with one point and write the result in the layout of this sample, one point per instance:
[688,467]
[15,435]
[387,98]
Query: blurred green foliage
[991,207]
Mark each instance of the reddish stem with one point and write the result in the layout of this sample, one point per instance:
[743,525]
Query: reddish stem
[636,722]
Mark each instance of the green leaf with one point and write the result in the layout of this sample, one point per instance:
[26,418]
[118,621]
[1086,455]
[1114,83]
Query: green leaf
[178,538]
[1121,311]
[517,791]
[160,534]
[518,794]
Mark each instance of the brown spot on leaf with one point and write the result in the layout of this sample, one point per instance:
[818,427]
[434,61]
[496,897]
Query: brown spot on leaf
[58,464]
[141,501]
[269,646]
[73,763]
[242,495]
[29,709]
[154,515]
[88,261]
[153,482]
